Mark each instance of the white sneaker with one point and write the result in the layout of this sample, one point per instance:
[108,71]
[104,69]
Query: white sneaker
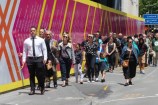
[142,72]
[93,81]
[88,81]
[96,80]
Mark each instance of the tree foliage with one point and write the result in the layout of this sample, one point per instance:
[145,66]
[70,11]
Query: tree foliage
[148,6]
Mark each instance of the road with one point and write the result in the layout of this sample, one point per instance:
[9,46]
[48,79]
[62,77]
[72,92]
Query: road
[112,92]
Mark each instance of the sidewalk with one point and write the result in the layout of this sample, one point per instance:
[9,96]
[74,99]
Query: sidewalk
[74,94]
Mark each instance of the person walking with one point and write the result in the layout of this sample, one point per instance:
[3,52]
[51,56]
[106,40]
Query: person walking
[91,48]
[35,56]
[111,50]
[155,48]
[142,53]
[129,53]
[66,58]
[52,57]
[78,67]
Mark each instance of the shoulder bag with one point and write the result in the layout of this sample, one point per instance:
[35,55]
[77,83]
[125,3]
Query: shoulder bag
[125,63]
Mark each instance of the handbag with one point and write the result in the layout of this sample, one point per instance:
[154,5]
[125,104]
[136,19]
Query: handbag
[125,63]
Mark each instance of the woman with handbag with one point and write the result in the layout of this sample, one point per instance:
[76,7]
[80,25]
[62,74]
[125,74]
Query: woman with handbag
[66,58]
[129,59]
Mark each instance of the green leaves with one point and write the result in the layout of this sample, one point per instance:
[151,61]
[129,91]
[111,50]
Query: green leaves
[148,6]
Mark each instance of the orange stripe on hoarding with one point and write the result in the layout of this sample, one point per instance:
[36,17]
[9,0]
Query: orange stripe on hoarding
[93,21]
[41,15]
[6,29]
[9,41]
[86,22]
[72,19]
[63,24]
[52,15]
[9,65]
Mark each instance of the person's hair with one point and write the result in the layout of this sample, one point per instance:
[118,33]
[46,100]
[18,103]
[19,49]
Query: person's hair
[101,55]
[129,38]
[135,36]
[68,38]
[141,39]
[140,35]
[79,45]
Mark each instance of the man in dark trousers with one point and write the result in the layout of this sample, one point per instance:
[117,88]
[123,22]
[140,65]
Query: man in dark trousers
[35,56]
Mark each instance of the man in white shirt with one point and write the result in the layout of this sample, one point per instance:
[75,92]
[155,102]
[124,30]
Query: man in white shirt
[35,56]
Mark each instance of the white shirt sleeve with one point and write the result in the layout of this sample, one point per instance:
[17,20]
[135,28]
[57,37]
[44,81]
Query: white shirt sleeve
[25,49]
[44,49]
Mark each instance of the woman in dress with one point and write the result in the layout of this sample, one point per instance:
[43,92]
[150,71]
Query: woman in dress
[129,52]
[111,50]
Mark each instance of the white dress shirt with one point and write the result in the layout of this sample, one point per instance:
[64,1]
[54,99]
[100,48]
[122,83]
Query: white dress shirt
[40,48]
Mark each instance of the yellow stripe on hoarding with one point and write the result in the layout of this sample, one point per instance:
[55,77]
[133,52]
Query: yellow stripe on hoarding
[72,19]
[93,21]
[86,22]
[97,5]
[63,24]
[52,15]
[21,83]
[41,15]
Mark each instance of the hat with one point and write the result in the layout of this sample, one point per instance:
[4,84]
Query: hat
[91,35]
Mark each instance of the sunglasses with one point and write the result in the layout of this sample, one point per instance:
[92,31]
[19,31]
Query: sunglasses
[90,37]
[129,42]
[65,37]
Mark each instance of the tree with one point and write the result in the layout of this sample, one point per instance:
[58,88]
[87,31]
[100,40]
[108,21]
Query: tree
[148,6]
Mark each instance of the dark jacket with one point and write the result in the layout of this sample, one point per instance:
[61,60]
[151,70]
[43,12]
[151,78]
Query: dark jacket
[125,49]
[78,56]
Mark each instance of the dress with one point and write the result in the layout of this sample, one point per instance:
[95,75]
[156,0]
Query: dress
[130,71]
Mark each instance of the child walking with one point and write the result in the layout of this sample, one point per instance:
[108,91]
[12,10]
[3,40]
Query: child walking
[78,67]
[103,66]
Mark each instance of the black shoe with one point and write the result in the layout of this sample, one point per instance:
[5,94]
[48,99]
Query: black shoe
[102,80]
[42,91]
[130,83]
[47,86]
[126,84]
[81,82]
[32,92]
[66,83]
[55,85]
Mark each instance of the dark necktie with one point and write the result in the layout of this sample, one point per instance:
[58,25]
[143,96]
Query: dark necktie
[33,45]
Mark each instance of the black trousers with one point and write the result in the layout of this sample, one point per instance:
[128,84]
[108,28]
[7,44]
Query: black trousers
[97,69]
[65,67]
[36,68]
[90,60]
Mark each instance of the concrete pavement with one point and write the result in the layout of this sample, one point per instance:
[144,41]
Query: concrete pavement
[112,92]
